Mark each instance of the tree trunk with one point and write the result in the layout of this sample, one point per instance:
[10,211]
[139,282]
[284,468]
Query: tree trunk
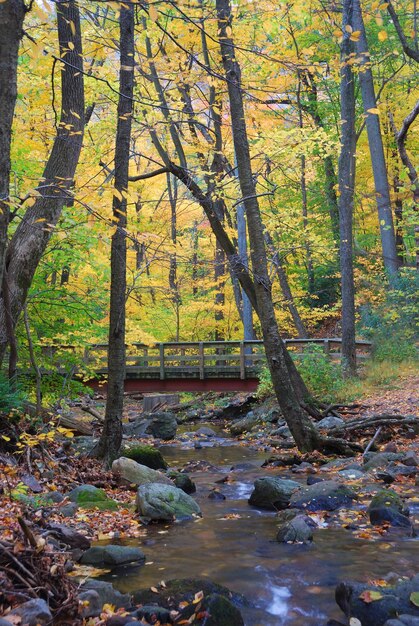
[111,436]
[34,231]
[285,288]
[346,193]
[382,193]
[304,433]
[12,13]
[246,305]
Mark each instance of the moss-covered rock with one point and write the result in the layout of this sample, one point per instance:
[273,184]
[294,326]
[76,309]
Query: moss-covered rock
[165,502]
[182,481]
[91,497]
[146,455]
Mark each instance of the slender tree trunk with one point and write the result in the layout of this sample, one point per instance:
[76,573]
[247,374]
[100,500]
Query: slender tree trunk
[285,288]
[12,13]
[34,231]
[111,437]
[304,433]
[172,188]
[246,305]
[346,193]
[382,193]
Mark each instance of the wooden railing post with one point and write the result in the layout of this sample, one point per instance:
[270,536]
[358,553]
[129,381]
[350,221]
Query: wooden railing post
[242,361]
[161,352]
[201,360]
[326,346]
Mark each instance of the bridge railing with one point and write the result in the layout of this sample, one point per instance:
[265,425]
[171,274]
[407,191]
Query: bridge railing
[199,359]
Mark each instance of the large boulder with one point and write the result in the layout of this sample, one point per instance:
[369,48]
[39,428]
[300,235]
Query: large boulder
[373,606]
[132,472]
[165,502]
[146,455]
[273,493]
[387,507]
[327,495]
[112,556]
[91,497]
[162,425]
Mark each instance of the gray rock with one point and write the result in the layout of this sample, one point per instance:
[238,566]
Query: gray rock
[273,493]
[165,502]
[182,481]
[282,431]
[68,510]
[378,460]
[132,472]
[327,495]
[245,424]
[330,421]
[89,496]
[410,459]
[68,536]
[145,455]
[403,620]
[83,445]
[387,506]
[33,612]
[217,610]
[204,431]
[162,426]
[351,474]
[394,601]
[297,530]
[107,594]
[54,496]
[112,556]
[137,428]
[152,613]
[92,605]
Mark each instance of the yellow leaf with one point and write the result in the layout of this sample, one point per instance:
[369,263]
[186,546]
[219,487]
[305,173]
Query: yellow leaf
[355,35]
[348,28]
[152,12]
[375,111]
[382,35]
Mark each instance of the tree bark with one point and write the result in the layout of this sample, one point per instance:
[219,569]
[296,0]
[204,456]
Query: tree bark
[346,193]
[303,431]
[12,13]
[34,231]
[111,437]
[382,193]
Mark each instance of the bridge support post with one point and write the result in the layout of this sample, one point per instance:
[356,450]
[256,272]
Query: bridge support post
[161,352]
[201,360]
[242,361]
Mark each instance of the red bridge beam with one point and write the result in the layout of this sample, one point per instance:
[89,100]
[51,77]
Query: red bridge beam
[182,384]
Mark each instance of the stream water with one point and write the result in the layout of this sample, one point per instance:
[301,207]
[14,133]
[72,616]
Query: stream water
[287,584]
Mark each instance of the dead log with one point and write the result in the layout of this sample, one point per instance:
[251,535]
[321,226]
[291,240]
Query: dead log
[78,427]
[385,419]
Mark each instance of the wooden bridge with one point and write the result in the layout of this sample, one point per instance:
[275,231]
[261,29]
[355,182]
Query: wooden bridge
[195,366]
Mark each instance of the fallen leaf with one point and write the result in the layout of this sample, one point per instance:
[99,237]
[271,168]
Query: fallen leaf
[369,595]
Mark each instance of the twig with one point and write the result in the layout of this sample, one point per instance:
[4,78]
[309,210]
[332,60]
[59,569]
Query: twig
[27,532]
[373,440]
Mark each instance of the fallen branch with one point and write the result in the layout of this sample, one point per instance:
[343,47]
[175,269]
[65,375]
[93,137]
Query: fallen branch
[376,420]
[88,409]
[373,440]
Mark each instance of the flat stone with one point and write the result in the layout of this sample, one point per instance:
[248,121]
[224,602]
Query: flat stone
[107,593]
[327,495]
[330,421]
[112,556]
[132,472]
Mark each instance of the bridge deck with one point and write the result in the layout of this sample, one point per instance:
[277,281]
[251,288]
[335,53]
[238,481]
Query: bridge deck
[196,366]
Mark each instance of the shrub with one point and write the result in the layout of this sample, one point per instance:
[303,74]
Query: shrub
[10,399]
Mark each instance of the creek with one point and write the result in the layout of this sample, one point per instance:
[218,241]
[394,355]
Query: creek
[234,545]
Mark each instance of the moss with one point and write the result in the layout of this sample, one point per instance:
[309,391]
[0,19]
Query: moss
[146,455]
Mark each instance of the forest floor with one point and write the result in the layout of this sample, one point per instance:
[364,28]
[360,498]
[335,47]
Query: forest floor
[48,464]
